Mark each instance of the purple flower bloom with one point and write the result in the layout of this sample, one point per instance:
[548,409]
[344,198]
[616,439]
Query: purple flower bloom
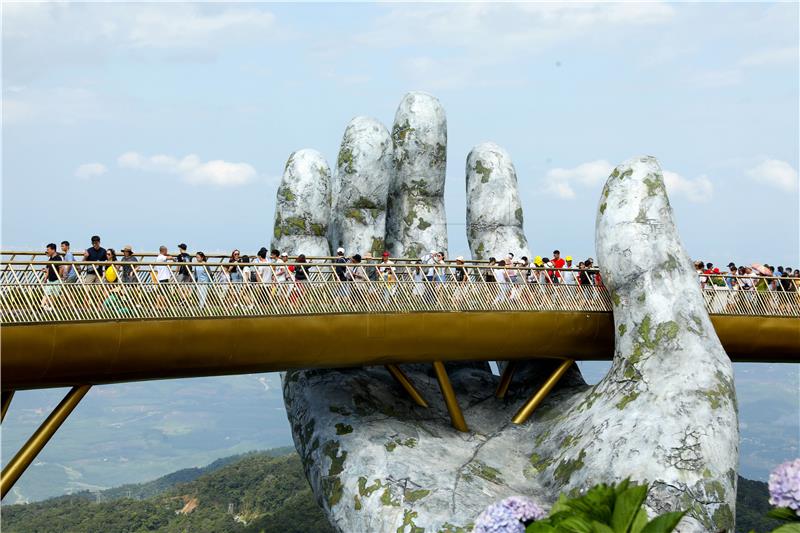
[784,486]
[508,516]
[523,509]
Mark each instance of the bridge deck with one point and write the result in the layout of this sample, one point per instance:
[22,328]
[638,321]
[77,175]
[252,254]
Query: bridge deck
[58,334]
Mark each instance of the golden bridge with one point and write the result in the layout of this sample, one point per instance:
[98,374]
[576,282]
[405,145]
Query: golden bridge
[79,334]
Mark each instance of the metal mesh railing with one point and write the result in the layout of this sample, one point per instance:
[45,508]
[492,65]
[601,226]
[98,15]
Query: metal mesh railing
[91,291]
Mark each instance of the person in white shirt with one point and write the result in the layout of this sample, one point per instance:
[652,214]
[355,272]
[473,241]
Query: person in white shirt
[431,260]
[261,265]
[568,276]
[386,267]
[418,275]
[162,272]
[249,272]
[162,275]
[388,275]
[501,278]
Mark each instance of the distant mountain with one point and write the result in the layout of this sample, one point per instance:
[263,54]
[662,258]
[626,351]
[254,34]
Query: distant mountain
[254,492]
[249,493]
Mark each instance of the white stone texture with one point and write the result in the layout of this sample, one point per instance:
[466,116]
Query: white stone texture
[668,402]
[416,222]
[303,206]
[494,211]
[361,187]
[665,413]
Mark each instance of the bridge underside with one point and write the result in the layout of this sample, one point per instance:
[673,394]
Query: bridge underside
[65,354]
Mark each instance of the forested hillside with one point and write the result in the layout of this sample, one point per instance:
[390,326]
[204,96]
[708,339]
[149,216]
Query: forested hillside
[245,494]
[263,491]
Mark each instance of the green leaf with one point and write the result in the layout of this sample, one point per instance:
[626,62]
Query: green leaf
[622,486]
[783,513]
[540,527]
[560,505]
[664,523]
[597,527]
[639,521]
[575,524]
[787,528]
[625,508]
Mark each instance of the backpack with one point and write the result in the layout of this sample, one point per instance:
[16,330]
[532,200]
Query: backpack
[111,274]
[253,275]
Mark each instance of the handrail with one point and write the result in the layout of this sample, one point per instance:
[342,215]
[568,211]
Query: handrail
[78,252]
[154,292]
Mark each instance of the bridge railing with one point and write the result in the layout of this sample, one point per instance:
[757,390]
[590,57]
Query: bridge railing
[154,290]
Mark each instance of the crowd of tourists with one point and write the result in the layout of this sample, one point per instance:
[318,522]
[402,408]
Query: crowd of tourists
[274,267]
[757,276]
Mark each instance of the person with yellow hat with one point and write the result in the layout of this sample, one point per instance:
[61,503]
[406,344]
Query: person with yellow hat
[568,275]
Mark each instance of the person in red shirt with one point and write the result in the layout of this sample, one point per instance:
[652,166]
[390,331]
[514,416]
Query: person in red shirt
[557,262]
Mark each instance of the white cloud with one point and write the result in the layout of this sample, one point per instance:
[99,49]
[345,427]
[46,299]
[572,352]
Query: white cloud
[473,38]
[90,170]
[772,57]
[562,182]
[41,37]
[697,190]
[522,27]
[775,173]
[57,105]
[715,79]
[191,169]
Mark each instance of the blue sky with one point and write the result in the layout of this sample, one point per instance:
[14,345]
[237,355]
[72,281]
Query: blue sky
[153,124]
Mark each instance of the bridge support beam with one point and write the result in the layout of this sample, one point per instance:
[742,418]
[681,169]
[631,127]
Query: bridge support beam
[7,395]
[31,449]
[527,409]
[450,400]
[505,379]
[404,382]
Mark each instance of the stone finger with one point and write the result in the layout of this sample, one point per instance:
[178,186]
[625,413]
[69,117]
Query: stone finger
[416,220]
[303,205]
[494,211]
[670,389]
[361,187]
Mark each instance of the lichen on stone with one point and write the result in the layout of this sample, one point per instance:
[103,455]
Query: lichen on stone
[485,172]
[343,429]
[484,471]
[563,472]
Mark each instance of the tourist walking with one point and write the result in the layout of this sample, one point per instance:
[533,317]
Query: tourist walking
[72,274]
[233,271]
[202,278]
[53,274]
[182,274]
[111,274]
[94,273]
[129,271]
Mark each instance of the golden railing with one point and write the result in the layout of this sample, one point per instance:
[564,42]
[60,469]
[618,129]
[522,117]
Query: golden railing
[214,290]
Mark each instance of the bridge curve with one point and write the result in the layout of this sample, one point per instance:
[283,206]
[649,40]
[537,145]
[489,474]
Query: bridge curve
[115,332]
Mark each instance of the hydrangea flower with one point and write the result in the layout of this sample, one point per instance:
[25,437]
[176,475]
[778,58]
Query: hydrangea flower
[784,486]
[508,516]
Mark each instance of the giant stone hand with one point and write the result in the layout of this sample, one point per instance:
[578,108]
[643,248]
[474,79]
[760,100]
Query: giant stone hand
[664,414]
